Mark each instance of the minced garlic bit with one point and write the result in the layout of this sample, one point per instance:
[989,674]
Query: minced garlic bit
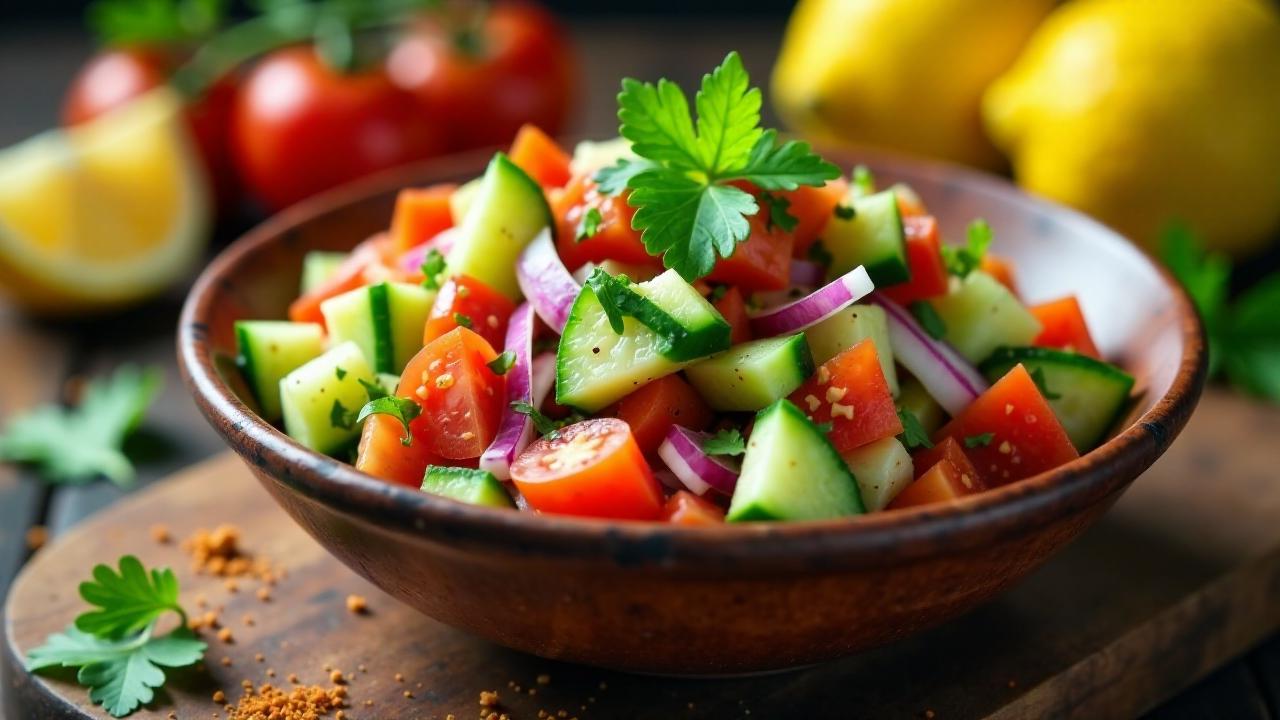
[357,604]
[1005,448]
[1008,408]
[835,394]
[421,392]
[433,366]
[813,402]
[299,703]
[966,480]
[824,375]
[444,380]
[492,321]
[841,410]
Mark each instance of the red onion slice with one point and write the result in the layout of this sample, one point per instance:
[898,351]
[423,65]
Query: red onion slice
[527,382]
[412,259]
[545,281]
[949,378]
[682,451]
[815,307]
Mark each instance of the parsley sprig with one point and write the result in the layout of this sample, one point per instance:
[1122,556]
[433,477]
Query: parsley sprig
[120,657]
[913,434]
[725,442]
[686,207]
[961,261]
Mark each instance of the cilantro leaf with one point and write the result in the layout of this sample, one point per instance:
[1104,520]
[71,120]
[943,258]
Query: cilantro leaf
[432,267]
[961,261]
[340,416]
[786,166]
[725,442]
[778,214]
[928,319]
[688,221]
[913,434]
[979,440]
[121,674]
[76,445]
[1037,376]
[502,364]
[129,600]
[589,225]
[402,409]
[613,179]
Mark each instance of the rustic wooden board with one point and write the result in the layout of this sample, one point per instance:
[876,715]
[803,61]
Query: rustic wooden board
[1182,575]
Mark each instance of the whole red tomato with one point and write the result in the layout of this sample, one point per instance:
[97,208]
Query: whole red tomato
[515,66]
[300,127]
[113,77]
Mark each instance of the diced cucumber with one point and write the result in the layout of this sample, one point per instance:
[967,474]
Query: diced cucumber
[589,156]
[267,350]
[462,198]
[388,382]
[320,399]
[874,238]
[913,398]
[478,487]
[318,266]
[752,375]
[596,366]
[882,468]
[705,330]
[850,327]
[1090,393]
[792,472]
[637,273]
[385,320]
[509,209]
[980,315]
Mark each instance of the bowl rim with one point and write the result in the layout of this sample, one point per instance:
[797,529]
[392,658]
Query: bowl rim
[999,514]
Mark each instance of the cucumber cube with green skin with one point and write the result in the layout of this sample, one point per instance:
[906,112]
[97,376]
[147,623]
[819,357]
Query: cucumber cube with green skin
[749,376]
[509,209]
[462,198]
[1086,394]
[267,350]
[874,238]
[468,485]
[981,314]
[385,320]
[792,472]
[913,398]
[321,398]
[883,468]
[704,330]
[318,266]
[849,327]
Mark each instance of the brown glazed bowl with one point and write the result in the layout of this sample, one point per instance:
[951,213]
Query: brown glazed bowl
[653,598]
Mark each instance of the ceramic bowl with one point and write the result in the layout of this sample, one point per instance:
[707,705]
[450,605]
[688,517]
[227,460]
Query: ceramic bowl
[652,598]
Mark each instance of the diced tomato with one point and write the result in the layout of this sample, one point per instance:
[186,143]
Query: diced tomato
[734,310]
[948,450]
[1001,269]
[614,238]
[850,392]
[540,157]
[655,407]
[761,262]
[685,508]
[466,302]
[593,468]
[909,203]
[812,207]
[461,397]
[924,258]
[420,214]
[349,276]
[1025,436]
[1064,327]
[383,454]
[940,483]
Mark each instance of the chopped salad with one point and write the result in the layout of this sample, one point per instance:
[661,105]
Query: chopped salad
[697,322]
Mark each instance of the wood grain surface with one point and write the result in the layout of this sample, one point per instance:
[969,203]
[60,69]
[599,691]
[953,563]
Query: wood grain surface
[1183,574]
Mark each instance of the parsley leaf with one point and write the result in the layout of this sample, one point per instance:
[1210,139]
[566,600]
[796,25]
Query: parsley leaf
[913,434]
[863,182]
[778,214]
[129,600]
[339,372]
[463,320]
[340,416]
[725,442]
[601,284]
[1206,277]
[928,319]
[374,390]
[1037,376]
[76,445]
[613,179]
[686,208]
[979,440]
[545,426]
[502,364]
[825,427]
[589,225]
[844,212]
[961,261]
[432,267]
[402,409]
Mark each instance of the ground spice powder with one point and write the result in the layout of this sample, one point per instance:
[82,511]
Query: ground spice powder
[299,703]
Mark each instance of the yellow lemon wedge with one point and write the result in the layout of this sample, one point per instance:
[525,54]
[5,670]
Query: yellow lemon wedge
[103,214]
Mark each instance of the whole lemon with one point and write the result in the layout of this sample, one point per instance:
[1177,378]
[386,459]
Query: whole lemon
[903,74]
[1142,112]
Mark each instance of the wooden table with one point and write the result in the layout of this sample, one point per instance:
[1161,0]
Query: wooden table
[38,358]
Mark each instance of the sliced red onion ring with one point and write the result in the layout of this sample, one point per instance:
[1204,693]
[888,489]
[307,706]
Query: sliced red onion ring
[545,281]
[807,273]
[412,259]
[527,382]
[682,451]
[949,378]
[815,307]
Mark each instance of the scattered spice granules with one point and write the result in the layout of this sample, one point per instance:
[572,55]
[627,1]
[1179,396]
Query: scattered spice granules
[356,604]
[160,534]
[219,553]
[37,536]
[488,698]
[299,703]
